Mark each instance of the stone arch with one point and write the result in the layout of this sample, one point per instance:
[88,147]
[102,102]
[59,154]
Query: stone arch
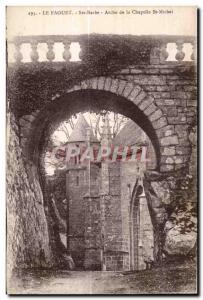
[128,90]
[167,138]
[106,93]
[142,109]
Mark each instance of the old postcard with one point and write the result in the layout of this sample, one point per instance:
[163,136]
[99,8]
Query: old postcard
[102,150]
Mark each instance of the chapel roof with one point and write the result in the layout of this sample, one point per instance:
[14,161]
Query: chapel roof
[79,133]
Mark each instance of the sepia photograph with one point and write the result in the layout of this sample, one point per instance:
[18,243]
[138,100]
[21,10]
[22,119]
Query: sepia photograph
[101,141]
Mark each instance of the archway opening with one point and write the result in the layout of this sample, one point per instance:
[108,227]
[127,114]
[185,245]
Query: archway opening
[65,106]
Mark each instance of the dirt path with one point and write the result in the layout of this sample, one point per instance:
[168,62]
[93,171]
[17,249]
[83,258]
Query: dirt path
[169,280]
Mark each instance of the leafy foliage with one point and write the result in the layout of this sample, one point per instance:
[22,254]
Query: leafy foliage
[183,207]
[31,86]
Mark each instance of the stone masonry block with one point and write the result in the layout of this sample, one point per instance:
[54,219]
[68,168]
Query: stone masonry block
[163,88]
[77,87]
[150,109]
[184,141]
[23,122]
[151,71]
[177,94]
[114,85]
[166,168]
[177,120]
[146,102]
[139,97]
[134,94]
[179,166]
[94,83]
[169,132]
[170,111]
[150,79]
[124,71]
[179,159]
[121,87]
[169,140]
[28,118]
[164,95]
[159,123]
[85,84]
[68,91]
[182,150]
[190,88]
[181,130]
[168,150]
[165,101]
[156,95]
[167,160]
[128,89]
[166,71]
[156,115]
[136,71]
[35,113]
[191,95]
[150,88]
[165,131]
[192,102]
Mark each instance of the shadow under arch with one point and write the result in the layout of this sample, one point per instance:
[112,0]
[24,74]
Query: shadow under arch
[87,100]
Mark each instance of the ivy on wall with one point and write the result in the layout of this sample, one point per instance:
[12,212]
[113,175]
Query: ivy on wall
[31,86]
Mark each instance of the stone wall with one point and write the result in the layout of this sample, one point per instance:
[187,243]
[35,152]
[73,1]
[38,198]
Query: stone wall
[174,90]
[164,98]
[161,97]
[84,215]
[27,232]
